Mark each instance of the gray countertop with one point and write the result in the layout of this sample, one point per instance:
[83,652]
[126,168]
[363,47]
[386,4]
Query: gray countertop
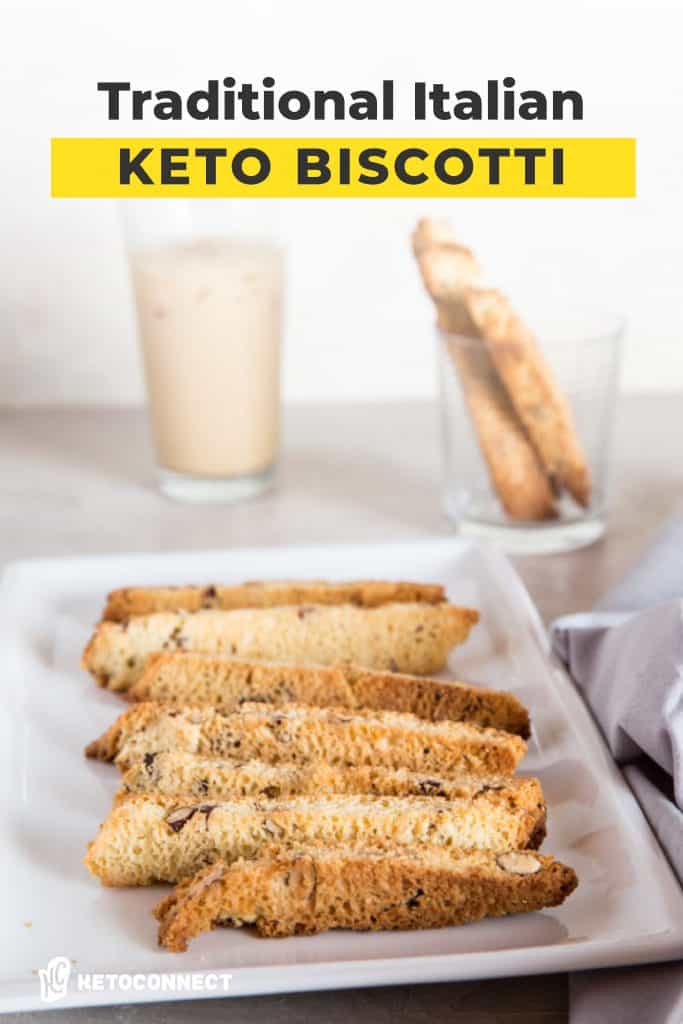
[74,481]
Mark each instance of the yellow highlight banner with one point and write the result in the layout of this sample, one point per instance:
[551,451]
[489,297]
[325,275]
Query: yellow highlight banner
[339,168]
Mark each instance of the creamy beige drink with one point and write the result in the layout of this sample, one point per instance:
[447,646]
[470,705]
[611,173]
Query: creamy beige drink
[210,323]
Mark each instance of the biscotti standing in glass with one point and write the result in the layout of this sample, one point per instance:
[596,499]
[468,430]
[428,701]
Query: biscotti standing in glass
[527,414]
[208,285]
[527,407]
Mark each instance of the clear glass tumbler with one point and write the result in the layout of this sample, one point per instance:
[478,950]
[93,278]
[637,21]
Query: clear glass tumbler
[526,473]
[208,281]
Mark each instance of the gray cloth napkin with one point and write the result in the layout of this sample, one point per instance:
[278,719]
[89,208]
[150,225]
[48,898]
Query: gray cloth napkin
[626,657]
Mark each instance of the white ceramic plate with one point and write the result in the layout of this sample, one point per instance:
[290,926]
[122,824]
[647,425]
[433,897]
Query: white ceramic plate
[628,906]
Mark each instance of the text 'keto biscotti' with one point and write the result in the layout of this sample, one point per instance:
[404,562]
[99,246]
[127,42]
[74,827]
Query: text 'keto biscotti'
[308,891]
[409,637]
[300,732]
[149,838]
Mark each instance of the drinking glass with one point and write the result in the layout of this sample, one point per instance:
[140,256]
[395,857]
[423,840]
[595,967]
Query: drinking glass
[208,281]
[496,485]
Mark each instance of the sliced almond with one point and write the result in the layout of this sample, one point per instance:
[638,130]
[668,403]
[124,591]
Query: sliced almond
[519,863]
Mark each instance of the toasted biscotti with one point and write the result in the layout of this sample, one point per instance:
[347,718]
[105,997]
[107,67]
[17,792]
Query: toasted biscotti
[517,474]
[186,677]
[302,892]
[299,732]
[148,838]
[179,774]
[437,699]
[124,603]
[406,637]
[189,677]
[533,390]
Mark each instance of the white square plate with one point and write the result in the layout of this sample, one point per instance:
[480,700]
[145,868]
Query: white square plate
[628,907]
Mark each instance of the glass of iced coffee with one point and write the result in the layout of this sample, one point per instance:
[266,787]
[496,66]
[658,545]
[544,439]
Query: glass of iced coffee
[208,281]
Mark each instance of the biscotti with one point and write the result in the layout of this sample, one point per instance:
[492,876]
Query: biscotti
[409,637]
[149,838]
[303,892]
[187,677]
[185,775]
[129,601]
[533,390]
[448,270]
[524,490]
[299,732]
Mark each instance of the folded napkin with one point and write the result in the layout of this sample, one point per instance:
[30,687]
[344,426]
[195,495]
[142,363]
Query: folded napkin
[626,657]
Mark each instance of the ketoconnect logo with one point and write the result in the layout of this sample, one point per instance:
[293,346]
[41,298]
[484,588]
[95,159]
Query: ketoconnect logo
[54,981]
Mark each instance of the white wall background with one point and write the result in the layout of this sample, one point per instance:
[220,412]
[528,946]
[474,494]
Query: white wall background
[358,324]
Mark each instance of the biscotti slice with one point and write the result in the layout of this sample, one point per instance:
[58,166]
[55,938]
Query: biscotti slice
[187,677]
[124,603]
[532,388]
[179,774]
[437,699]
[405,637]
[299,732]
[148,838]
[517,474]
[304,891]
